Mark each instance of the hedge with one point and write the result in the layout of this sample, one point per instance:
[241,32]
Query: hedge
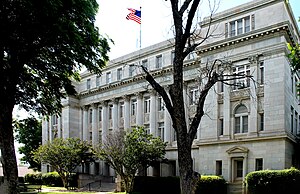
[273,181]
[205,185]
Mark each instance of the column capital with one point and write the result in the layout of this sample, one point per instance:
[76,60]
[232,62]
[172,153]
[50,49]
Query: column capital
[95,105]
[86,107]
[253,59]
[126,97]
[153,92]
[104,103]
[115,100]
[139,94]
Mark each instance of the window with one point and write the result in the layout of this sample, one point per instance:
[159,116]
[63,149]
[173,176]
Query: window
[261,121]
[221,127]
[219,167]
[108,77]
[239,26]
[147,129]
[172,57]
[241,119]
[295,85]
[100,114]
[160,131]
[161,106]
[240,71]
[292,120]
[119,74]
[194,95]
[98,80]
[147,105]
[261,72]
[91,116]
[110,111]
[131,70]
[133,107]
[121,109]
[88,84]
[54,120]
[158,61]
[258,164]
[145,63]
[296,122]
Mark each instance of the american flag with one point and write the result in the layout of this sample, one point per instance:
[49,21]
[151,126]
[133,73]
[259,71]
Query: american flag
[134,15]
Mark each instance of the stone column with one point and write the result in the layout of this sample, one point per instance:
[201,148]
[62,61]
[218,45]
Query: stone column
[153,112]
[115,115]
[226,113]
[104,120]
[253,116]
[85,131]
[139,118]
[126,112]
[95,132]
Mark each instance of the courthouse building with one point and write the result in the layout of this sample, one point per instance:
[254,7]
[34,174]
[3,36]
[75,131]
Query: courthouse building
[250,125]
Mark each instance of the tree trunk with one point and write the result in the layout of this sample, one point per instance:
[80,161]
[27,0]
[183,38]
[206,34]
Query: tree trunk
[9,163]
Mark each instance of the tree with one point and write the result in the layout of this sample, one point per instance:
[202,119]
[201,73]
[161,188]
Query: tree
[64,155]
[43,45]
[186,40]
[129,152]
[29,133]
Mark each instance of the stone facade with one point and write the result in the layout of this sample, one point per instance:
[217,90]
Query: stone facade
[250,125]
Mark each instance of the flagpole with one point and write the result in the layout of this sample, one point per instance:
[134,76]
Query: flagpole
[141,28]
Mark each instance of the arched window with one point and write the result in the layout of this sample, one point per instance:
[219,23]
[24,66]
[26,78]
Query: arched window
[241,119]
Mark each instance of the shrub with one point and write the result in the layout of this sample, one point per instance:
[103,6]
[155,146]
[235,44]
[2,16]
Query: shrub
[205,185]
[34,179]
[273,181]
[210,184]
[52,179]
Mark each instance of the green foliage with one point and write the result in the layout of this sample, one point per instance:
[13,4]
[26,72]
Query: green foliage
[34,179]
[127,152]
[29,133]
[64,155]
[294,56]
[52,179]
[211,185]
[274,181]
[208,184]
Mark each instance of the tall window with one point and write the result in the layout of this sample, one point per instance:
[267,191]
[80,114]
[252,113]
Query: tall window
[221,127]
[108,77]
[147,105]
[158,61]
[119,74]
[161,106]
[241,119]
[121,109]
[88,84]
[239,26]
[241,70]
[91,115]
[172,56]
[296,122]
[98,80]
[133,107]
[54,120]
[110,111]
[100,114]
[258,164]
[292,119]
[219,167]
[194,95]
[160,131]
[131,70]
[261,72]
[145,63]
[261,121]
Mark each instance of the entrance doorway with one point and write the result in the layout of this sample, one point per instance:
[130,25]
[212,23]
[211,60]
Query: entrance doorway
[238,169]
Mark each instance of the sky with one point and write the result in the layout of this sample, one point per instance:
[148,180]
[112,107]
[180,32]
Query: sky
[156,21]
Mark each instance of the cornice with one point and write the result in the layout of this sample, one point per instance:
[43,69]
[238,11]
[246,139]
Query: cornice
[282,27]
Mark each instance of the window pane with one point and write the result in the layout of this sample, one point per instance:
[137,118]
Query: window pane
[240,26]
[247,24]
[237,125]
[245,124]
[241,109]
[232,28]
